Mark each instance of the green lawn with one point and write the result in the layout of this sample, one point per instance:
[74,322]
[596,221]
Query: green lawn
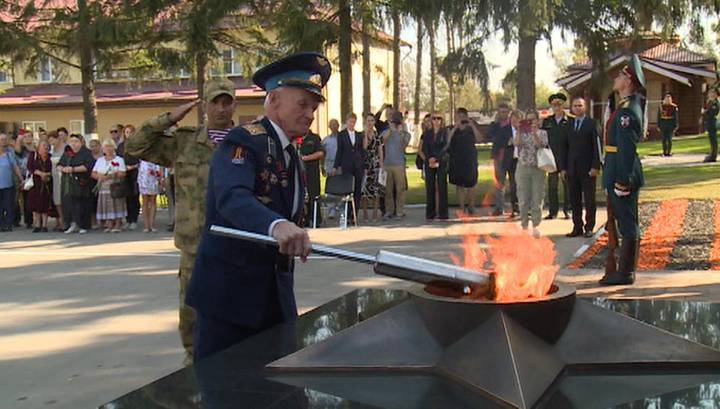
[692,144]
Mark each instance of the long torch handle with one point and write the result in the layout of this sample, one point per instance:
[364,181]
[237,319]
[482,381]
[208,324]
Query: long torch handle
[316,248]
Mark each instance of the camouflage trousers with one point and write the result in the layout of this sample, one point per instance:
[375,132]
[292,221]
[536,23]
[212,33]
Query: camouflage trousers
[187,314]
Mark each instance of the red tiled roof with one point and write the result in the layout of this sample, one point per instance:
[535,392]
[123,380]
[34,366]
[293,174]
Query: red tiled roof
[664,52]
[148,92]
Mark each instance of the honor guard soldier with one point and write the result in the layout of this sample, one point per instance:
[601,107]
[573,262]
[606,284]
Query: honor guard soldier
[623,174]
[667,122]
[256,184]
[558,129]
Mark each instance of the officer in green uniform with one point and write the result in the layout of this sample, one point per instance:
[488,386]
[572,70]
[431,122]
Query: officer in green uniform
[558,129]
[311,153]
[623,174]
[188,150]
[668,123]
[712,107]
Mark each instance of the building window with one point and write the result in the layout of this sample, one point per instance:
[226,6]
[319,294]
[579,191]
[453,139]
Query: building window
[45,70]
[227,65]
[4,77]
[77,126]
[230,65]
[34,126]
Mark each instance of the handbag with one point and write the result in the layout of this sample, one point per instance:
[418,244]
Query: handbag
[546,160]
[119,190]
[29,184]
[419,163]
[382,177]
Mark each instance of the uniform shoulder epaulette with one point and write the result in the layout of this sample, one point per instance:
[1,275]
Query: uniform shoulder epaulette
[255,129]
[571,116]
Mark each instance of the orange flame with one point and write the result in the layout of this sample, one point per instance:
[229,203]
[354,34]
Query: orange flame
[524,266]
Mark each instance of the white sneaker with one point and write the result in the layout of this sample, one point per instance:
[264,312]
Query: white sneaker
[536,233]
[82,231]
[72,229]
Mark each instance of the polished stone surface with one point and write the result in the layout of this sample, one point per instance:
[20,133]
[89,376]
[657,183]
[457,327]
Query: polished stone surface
[236,378]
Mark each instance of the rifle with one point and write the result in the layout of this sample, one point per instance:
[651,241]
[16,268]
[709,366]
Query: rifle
[611,228]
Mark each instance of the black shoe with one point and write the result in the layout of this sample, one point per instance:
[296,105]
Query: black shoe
[550,217]
[497,212]
[618,278]
[44,230]
[709,159]
[588,233]
[566,215]
[574,233]
[36,230]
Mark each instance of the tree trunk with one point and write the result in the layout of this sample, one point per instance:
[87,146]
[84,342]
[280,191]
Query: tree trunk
[201,62]
[87,68]
[526,72]
[366,61]
[345,56]
[450,49]
[418,71]
[397,27]
[433,63]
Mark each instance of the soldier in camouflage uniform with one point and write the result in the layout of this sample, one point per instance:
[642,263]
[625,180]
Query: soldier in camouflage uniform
[188,149]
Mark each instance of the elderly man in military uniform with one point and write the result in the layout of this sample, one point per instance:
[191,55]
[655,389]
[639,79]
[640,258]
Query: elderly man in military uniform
[623,174]
[239,288]
[558,130]
[188,150]
[667,122]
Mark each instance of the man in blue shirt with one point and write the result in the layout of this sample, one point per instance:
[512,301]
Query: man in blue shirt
[8,167]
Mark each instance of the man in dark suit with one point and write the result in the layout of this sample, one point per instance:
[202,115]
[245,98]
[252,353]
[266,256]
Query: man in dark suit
[582,165]
[500,133]
[255,183]
[350,157]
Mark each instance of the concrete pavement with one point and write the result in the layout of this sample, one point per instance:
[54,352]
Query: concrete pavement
[89,318]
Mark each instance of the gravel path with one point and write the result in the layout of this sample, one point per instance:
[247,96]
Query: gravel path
[692,250]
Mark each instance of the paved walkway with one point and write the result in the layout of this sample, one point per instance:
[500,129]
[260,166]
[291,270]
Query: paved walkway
[89,318]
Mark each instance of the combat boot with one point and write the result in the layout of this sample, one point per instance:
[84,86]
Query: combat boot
[626,265]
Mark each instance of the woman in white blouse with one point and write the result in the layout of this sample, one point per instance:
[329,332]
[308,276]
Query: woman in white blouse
[110,169]
[530,179]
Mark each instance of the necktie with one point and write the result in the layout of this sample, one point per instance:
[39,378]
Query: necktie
[293,174]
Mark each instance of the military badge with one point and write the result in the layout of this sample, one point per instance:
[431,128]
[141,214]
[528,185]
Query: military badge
[255,129]
[625,121]
[239,156]
[269,160]
[264,199]
[273,179]
[284,183]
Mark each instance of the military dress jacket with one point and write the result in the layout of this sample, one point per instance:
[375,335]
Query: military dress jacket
[668,116]
[250,186]
[558,134]
[189,150]
[623,132]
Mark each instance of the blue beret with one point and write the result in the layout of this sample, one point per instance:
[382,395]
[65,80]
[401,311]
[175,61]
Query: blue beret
[309,71]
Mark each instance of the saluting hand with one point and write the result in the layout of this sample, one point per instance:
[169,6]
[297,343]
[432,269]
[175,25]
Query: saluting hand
[292,240]
[177,114]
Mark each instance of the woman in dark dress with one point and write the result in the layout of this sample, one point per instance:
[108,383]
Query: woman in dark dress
[40,196]
[463,160]
[433,151]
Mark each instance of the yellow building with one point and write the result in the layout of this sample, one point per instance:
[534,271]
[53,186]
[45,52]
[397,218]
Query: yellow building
[52,97]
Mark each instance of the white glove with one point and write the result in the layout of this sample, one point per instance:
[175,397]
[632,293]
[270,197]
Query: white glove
[621,193]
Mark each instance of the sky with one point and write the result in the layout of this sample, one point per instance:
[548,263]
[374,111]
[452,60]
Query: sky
[501,60]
